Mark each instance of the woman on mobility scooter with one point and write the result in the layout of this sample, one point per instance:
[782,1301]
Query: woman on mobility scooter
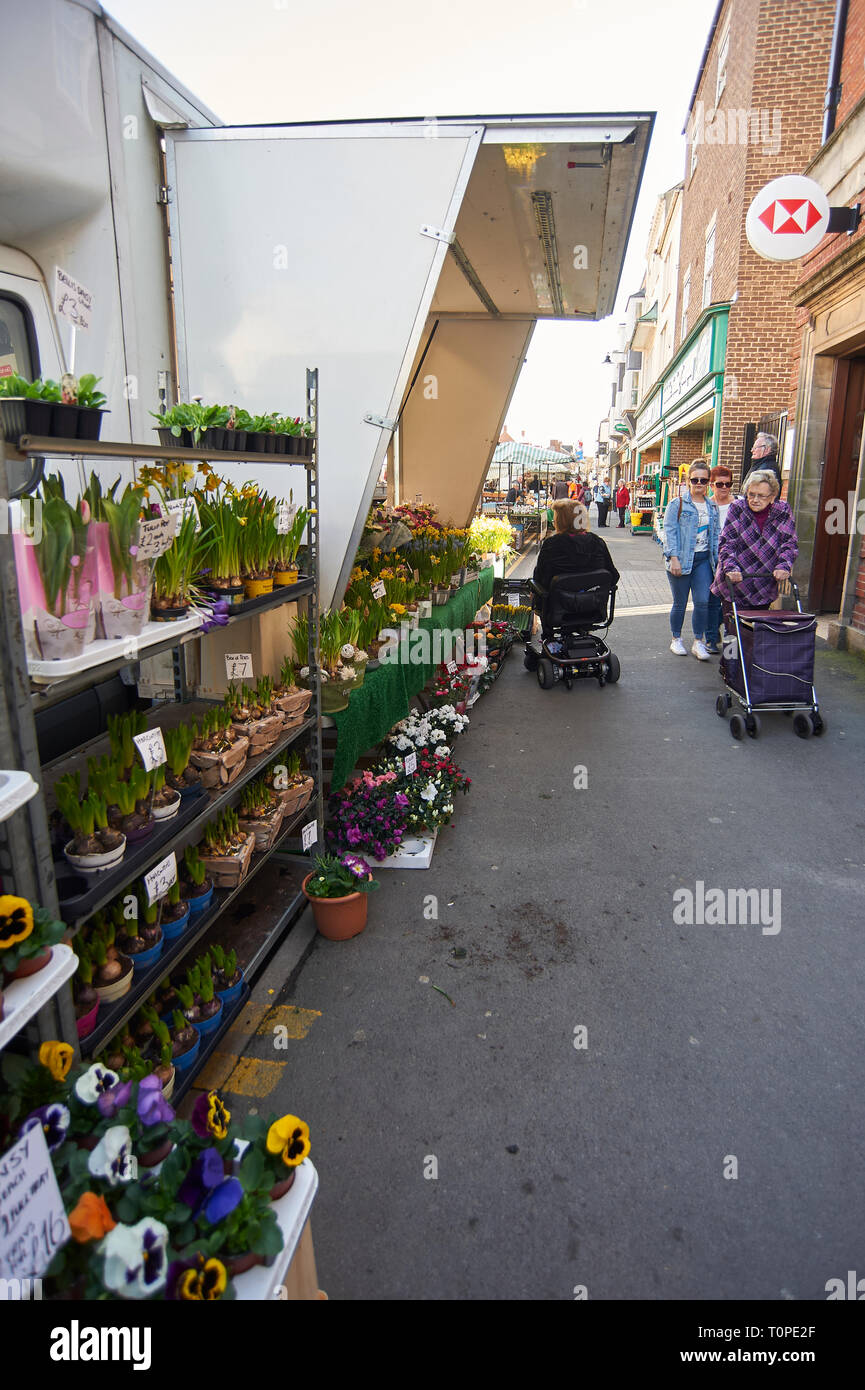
[571,610]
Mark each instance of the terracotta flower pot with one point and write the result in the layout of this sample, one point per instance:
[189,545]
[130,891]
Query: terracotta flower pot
[154,1156]
[338,919]
[279,1189]
[239,1264]
[31,966]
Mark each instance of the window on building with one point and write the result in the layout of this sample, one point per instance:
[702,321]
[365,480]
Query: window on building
[708,265]
[693,164]
[686,300]
[723,52]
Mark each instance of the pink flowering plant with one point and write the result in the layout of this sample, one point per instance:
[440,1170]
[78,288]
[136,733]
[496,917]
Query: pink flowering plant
[368,816]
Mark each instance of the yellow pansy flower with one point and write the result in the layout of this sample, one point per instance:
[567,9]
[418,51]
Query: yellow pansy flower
[57,1057]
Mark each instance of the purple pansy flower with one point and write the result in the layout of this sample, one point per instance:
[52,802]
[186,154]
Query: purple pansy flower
[54,1121]
[153,1108]
[111,1101]
[206,1188]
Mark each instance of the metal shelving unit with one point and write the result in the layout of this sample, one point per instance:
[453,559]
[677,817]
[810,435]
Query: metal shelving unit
[26,862]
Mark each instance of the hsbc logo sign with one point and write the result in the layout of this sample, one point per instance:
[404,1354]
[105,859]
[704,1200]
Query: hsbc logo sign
[788,218]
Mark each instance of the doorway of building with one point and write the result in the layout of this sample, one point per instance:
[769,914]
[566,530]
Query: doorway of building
[840,475]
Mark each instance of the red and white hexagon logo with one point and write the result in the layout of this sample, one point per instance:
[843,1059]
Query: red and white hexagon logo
[788,218]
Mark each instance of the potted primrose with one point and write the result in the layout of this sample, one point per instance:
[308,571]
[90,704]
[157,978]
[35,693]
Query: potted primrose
[337,891]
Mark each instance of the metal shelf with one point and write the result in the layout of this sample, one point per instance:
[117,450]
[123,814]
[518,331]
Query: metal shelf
[117,879]
[30,446]
[146,981]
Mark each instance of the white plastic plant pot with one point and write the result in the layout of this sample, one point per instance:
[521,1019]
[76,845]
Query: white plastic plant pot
[166,812]
[95,863]
[414,852]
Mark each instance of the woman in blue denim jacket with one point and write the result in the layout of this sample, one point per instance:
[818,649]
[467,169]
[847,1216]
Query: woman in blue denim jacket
[692,528]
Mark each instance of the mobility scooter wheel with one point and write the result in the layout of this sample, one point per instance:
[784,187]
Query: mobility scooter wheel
[614,668]
[737,727]
[546,679]
[530,659]
[802,725]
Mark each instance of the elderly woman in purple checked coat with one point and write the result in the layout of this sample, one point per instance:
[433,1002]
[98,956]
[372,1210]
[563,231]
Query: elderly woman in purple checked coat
[759,538]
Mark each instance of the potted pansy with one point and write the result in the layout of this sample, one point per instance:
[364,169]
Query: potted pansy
[337,891]
[27,937]
[277,1147]
[135,1259]
[141,1108]
[235,1221]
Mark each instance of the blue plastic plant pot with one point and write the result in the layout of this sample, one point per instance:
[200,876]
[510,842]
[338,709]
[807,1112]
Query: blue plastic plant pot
[171,930]
[208,1024]
[200,903]
[228,996]
[186,1059]
[149,957]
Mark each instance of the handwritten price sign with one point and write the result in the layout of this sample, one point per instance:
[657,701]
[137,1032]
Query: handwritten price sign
[378,589]
[238,666]
[286,512]
[410,764]
[151,746]
[154,537]
[33,1222]
[452,668]
[161,878]
[309,834]
[181,507]
[72,301]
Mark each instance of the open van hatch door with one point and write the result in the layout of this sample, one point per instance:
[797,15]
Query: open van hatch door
[330,245]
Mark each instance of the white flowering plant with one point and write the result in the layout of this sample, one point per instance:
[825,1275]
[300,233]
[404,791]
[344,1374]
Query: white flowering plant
[435,730]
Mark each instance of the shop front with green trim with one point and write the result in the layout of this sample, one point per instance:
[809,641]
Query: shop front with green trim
[680,419]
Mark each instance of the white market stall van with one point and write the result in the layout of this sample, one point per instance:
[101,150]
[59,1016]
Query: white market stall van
[407,260]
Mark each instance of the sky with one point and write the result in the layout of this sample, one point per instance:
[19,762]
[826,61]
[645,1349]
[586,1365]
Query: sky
[318,60]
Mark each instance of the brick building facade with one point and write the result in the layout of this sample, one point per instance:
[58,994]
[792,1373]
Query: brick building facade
[755,114]
[828,367]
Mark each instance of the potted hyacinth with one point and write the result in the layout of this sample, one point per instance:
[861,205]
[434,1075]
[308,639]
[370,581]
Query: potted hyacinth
[337,891]
[293,787]
[219,752]
[261,813]
[285,570]
[196,886]
[254,714]
[178,748]
[289,697]
[227,850]
[94,846]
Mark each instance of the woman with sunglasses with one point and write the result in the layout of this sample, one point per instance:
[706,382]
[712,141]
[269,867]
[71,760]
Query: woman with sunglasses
[722,493]
[691,532]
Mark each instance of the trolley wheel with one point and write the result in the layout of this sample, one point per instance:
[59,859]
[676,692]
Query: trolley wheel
[752,725]
[737,727]
[818,724]
[569,682]
[546,679]
[802,725]
[614,668]
[530,660]
[722,706]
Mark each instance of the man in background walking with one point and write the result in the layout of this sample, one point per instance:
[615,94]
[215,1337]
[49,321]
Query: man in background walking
[602,497]
[764,454]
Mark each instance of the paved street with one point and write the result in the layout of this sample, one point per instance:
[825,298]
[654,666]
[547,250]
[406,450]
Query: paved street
[709,1050]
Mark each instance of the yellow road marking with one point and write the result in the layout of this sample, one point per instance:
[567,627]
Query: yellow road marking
[296,1022]
[239,1076]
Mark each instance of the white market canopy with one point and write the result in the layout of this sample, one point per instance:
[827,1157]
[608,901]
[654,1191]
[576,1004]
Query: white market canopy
[530,456]
[409,261]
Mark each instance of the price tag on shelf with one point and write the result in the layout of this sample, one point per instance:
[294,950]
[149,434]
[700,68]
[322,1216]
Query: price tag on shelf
[160,879]
[452,668]
[154,537]
[238,666]
[184,506]
[378,589]
[410,764]
[309,834]
[33,1222]
[151,746]
[514,600]
[285,514]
